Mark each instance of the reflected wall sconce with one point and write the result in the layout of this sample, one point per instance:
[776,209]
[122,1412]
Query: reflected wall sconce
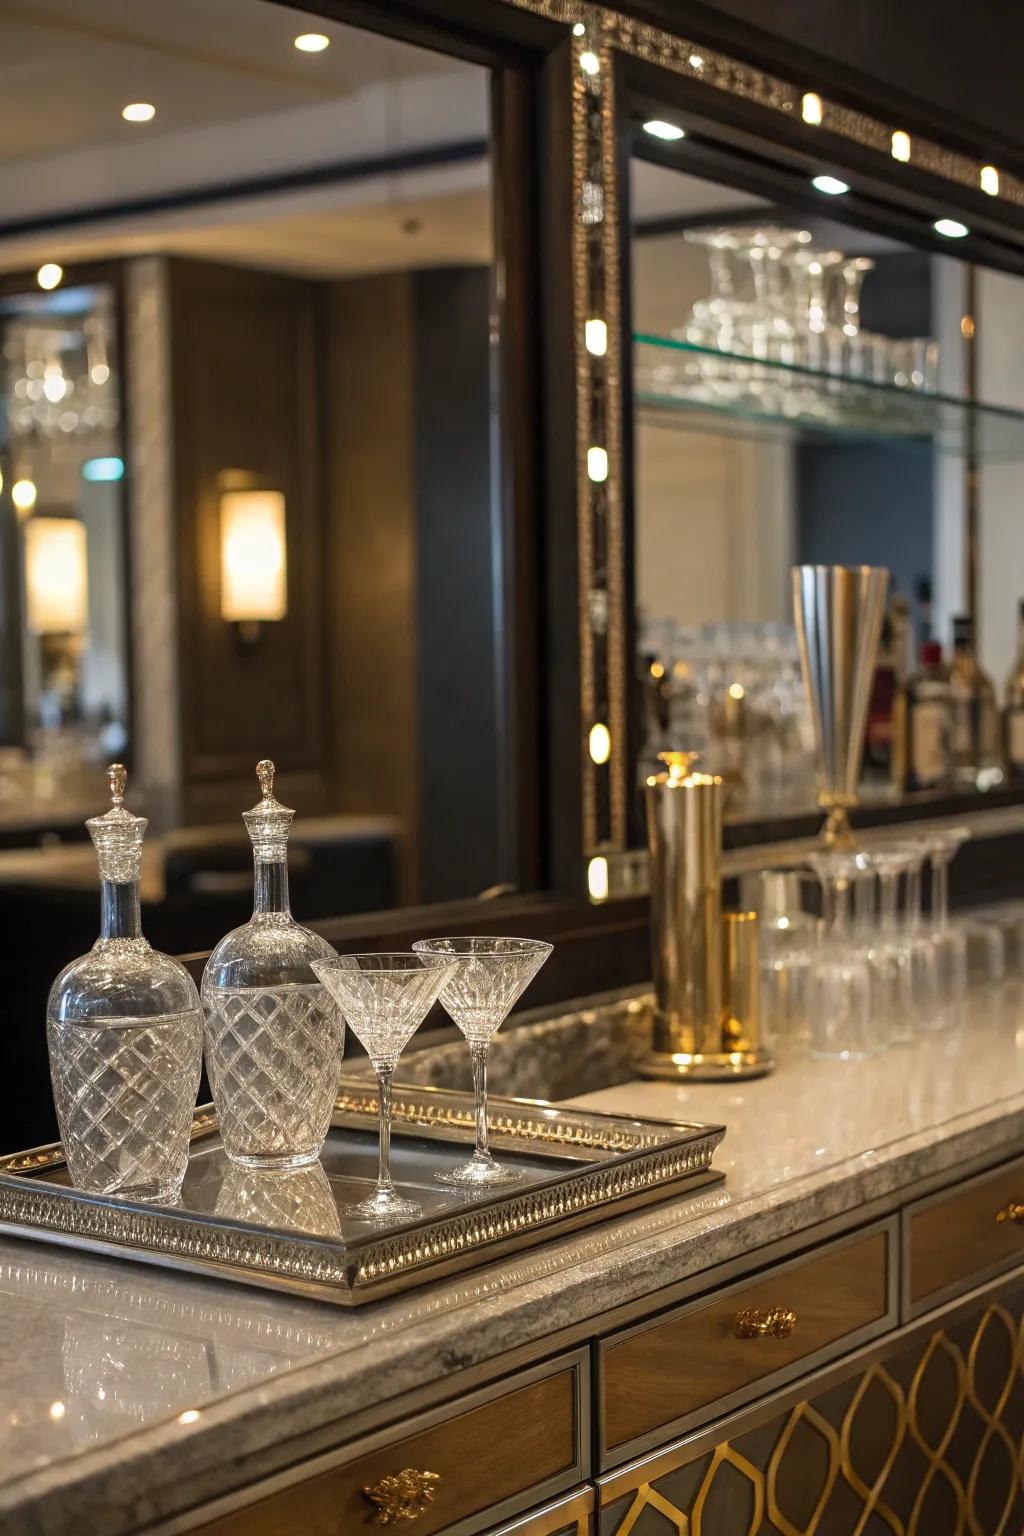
[56,576]
[253,560]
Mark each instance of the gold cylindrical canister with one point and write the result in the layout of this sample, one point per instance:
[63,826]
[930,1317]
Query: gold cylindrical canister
[684,831]
[741,1040]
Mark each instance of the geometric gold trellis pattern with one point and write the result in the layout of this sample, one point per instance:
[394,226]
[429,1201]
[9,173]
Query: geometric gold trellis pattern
[927,1443]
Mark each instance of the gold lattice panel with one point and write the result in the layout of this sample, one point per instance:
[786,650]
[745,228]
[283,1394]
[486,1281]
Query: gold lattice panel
[928,1443]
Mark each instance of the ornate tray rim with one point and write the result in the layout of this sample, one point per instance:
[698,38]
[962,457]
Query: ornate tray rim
[624,1162]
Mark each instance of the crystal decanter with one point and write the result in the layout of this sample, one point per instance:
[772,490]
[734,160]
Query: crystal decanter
[124,1030]
[274,1036]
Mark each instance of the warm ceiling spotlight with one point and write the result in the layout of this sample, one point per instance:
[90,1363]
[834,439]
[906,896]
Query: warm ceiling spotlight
[312,42]
[139,112]
[812,108]
[830,185]
[578,29]
[590,63]
[597,465]
[596,336]
[49,275]
[597,878]
[951,228]
[901,145]
[695,61]
[658,129]
[988,180]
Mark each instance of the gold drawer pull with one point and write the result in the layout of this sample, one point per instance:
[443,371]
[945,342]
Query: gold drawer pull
[1012,1212]
[766,1323]
[402,1495]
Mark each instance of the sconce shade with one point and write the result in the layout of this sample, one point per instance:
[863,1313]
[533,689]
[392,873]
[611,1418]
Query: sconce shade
[253,562]
[56,576]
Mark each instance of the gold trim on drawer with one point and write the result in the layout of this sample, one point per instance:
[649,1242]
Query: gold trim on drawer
[685,1366]
[964,1235]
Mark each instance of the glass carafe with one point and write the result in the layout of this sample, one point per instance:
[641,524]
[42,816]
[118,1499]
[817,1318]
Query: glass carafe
[274,1036]
[124,1030]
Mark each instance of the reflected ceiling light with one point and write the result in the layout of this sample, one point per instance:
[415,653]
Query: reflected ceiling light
[253,559]
[56,576]
[600,743]
[901,145]
[578,29]
[658,129]
[596,337]
[812,108]
[951,228]
[99,373]
[312,42]
[967,327]
[597,878]
[830,185]
[597,464]
[696,62]
[589,63]
[23,494]
[190,1416]
[49,275]
[57,1410]
[139,112]
[98,470]
[988,180]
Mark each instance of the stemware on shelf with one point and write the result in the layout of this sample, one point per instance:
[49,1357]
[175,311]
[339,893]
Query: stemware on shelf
[950,942]
[928,1011]
[891,953]
[124,1031]
[489,977]
[385,998]
[274,1036]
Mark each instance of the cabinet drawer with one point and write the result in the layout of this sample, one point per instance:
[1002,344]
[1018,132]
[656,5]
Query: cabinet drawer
[691,1365]
[956,1239]
[491,1454]
[571,1516]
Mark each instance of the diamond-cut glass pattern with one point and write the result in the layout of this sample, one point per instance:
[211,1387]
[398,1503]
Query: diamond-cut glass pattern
[928,1443]
[274,1059]
[124,1096]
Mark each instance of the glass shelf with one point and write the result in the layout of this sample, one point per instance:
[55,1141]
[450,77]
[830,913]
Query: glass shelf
[677,383]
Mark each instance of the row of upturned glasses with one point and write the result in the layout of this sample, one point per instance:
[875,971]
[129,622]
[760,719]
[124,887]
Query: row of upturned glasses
[385,998]
[852,962]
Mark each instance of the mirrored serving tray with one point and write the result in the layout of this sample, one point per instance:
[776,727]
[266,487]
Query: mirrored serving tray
[286,1231]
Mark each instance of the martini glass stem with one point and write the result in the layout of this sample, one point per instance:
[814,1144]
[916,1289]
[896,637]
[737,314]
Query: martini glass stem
[384,1075]
[478,1051]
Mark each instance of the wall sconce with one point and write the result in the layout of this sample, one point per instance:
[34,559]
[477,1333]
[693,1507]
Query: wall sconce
[56,576]
[253,560]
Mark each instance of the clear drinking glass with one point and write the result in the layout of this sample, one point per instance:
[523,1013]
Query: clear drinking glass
[843,1022]
[891,955]
[124,1031]
[488,977]
[385,998]
[926,999]
[788,904]
[274,1037]
[950,943]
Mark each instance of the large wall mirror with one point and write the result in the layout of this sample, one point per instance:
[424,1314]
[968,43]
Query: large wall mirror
[269,335]
[817,376]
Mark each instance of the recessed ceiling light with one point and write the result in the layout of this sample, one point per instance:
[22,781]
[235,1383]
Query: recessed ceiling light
[830,185]
[579,30]
[590,63]
[951,228]
[901,145]
[989,180]
[658,129]
[49,275]
[811,108]
[139,112]
[312,42]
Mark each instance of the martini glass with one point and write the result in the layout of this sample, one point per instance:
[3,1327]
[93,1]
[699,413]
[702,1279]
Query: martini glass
[488,978]
[385,998]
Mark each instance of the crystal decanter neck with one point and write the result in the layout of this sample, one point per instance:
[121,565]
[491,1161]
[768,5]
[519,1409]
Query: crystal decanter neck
[117,838]
[268,824]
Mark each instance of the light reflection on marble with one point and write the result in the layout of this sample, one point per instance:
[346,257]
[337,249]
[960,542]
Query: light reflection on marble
[127,1351]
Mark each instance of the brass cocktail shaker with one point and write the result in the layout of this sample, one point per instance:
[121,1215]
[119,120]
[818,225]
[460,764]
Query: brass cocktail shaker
[702,987]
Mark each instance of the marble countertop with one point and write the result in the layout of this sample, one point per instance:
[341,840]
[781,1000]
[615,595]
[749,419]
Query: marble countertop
[127,1394]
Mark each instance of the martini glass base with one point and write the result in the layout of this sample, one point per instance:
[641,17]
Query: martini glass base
[384,1205]
[480,1173]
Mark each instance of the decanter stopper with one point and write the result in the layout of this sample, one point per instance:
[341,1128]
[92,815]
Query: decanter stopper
[269,822]
[117,836]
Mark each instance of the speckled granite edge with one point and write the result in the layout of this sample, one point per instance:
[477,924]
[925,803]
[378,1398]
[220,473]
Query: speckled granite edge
[130,1484]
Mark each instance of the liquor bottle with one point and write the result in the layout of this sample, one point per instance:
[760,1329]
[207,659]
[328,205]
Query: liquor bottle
[975,716]
[274,1037]
[1013,710]
[890,675]
[923,751]
[124,1031]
